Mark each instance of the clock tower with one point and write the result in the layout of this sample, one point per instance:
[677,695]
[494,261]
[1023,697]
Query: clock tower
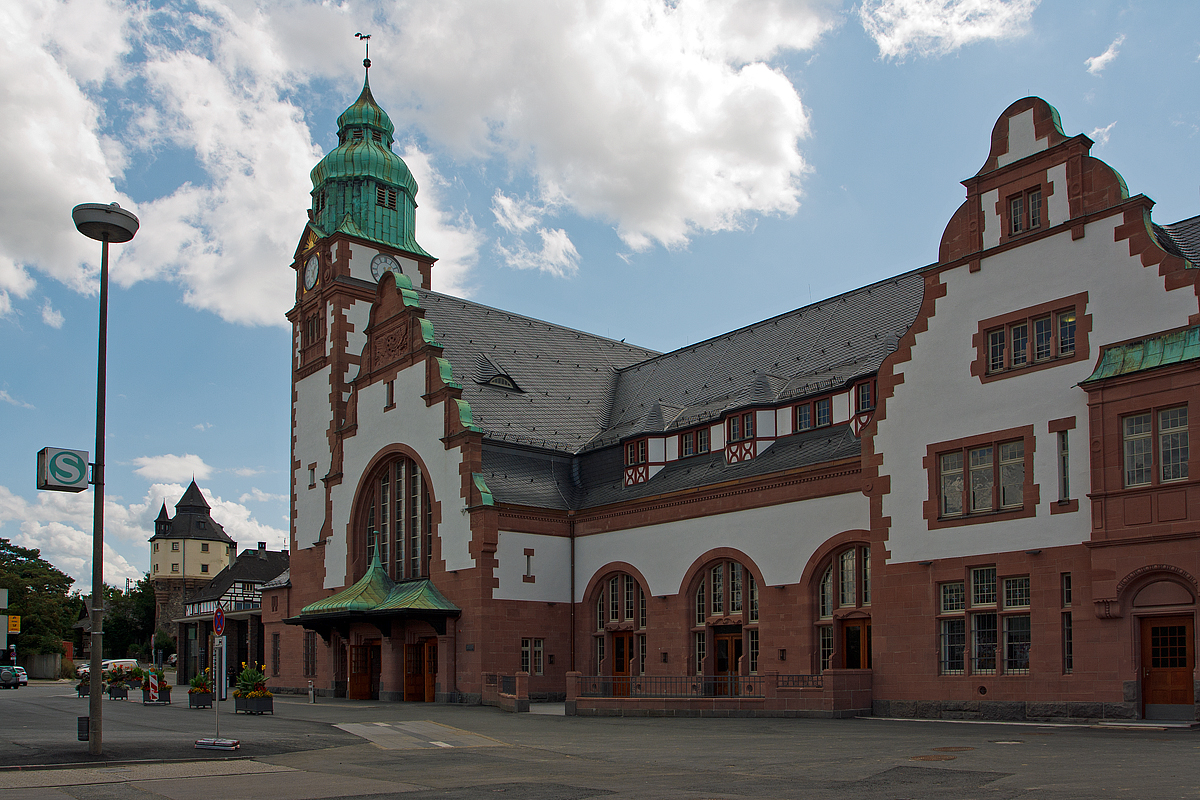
[360,228]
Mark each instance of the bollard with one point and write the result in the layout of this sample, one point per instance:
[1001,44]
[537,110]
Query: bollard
[84,728]
[312,693]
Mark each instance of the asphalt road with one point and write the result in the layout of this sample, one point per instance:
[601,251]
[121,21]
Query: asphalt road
[344,749]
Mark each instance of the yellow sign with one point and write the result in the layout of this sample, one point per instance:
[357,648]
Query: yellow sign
[14,623]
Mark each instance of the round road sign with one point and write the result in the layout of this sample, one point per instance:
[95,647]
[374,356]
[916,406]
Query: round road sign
[219,621]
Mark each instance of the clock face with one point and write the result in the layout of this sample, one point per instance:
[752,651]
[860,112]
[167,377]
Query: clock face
[310,272]
[381,264]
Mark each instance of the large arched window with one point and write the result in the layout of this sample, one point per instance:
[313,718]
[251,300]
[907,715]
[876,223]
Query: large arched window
[844,585]
[726,599]
[620,613]
[399,519]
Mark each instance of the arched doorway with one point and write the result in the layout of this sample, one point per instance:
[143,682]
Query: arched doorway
[1164,611]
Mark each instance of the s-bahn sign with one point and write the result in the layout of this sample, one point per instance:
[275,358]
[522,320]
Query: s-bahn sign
[62,470]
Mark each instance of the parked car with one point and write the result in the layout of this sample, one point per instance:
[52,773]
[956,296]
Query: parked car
[21,674]
[106,664]
[8,678]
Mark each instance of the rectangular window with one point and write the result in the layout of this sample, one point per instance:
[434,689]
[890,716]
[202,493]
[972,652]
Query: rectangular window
[310,653]
[1173,444]
[642,654]
[174,545]
[803,417]
[1012,474]
[175,568]
[846,570]
[614,599]
[1043,339]
[275,654]
[1016,644]
[953,646]
[1067,644]
[983,644]
[1066,590]
[826,648]
[599,654]
[865,400]
[1019,355]
[1025,211]
[996,351]
[630,597]
[701,605]
[1016,592]
[735,587]
[204,567]
[204,547]
[866,576]
[753,599]
[156,567]
[687,444]
[983,478]
[826,593]
[718,590]
[1138,458]
[824,412]
[156,547]
[1064,468]
[702,440]
[385,197]
[983,586]
[748,425]
[274,602]
[600,611]
[1035,209]
[635,452]
[526,653]
[641,609]
[952,484]
[539,647]
[954,597]
[1066,333]
[699,650]
[735,428]
[752,636]
[390,394]
[1017,210]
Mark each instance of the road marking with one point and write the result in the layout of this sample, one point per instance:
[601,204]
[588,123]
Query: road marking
[442,744]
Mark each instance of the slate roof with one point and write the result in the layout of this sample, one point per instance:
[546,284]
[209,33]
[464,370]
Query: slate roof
[252,566]
[1181,238]
[565,376]
[546,480]
[280,581]
[191,520]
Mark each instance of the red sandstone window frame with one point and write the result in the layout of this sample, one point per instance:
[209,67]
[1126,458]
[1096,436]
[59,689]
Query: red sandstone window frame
[864,396]
[1030,491]
[740,426]
[695,442]
[819,414]
[1061,352]
[1154,439]
[636,452]
[1026,211]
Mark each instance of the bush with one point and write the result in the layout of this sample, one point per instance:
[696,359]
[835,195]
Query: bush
[66,669]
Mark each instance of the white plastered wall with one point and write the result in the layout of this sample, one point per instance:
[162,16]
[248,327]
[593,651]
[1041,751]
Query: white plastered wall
[312,415]
[551,568]
[779,540]
[939,400]
[419,427]
[358,315]
[1022,139]
[1058,206]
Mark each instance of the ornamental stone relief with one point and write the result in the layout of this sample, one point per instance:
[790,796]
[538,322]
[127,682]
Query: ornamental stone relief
[390,345]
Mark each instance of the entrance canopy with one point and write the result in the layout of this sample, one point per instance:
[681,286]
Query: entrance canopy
[378,600]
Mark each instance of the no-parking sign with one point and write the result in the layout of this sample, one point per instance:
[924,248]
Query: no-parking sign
[219,621]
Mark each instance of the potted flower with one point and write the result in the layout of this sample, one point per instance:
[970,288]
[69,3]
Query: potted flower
[251,694]
[164,689]
[118,679]
[200,691]
[84,687]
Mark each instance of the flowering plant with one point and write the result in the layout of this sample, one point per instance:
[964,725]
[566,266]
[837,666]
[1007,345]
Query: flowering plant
[201,684]
[119,676]
[251,682]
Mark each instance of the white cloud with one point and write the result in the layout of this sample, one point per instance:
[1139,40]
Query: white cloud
[173,468]
[50,316]
[556,255]
[247,472]
[259,496]
[1096,64]
[1100,135]
[936,27]
[60,525]
[12,401]
[514,214]
[202,426]
[449,235]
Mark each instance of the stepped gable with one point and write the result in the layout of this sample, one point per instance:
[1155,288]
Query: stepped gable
[562,377]
[803,352]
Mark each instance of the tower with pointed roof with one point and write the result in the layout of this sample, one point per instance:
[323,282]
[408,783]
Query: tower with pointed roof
[186,552]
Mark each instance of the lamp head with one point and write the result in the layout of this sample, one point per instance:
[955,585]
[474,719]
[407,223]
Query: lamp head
[105,222]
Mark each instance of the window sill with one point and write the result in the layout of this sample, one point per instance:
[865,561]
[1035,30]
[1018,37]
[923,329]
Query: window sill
[1064,506]
[1025,511]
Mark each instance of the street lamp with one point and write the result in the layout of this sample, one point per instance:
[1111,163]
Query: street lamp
[114,224]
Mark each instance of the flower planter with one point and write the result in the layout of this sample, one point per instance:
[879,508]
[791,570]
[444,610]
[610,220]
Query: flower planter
[200,700]
[164,696]
[254,705]
[118,692]
[84,690]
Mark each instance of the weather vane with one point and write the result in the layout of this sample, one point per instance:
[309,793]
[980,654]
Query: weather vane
[367,44]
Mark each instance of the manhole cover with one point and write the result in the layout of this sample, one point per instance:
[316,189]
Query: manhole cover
[937,757]
[952,749]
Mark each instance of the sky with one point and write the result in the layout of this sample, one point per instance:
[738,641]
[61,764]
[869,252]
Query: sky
[659,172]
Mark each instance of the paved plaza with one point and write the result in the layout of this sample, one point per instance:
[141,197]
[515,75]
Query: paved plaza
[339,748]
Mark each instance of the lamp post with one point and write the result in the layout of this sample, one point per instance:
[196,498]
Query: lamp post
[106,224]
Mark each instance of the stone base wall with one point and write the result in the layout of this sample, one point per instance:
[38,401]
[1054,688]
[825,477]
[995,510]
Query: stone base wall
[1007,711]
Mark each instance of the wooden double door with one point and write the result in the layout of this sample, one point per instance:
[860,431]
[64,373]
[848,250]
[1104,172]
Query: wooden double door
[1168,661]
[366,665]
[727,662]
[420,670]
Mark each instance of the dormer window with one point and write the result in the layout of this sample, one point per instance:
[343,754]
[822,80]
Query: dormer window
[503,382]
[693,443]
[377,136]
[319,201]
[741,426]
[356,135]
[385,197]
[635,452]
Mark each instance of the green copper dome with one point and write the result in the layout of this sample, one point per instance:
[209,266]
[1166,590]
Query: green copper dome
[363,179]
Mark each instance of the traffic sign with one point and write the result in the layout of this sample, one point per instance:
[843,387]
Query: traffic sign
[14,623]
[219,621]
[62,470]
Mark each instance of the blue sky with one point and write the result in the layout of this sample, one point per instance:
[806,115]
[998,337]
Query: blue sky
[659,172]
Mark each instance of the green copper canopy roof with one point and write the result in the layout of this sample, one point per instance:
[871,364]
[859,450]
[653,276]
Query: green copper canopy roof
[1155,351]
[376,592]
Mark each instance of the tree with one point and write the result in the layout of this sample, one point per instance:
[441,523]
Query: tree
[40,594]
[128,619]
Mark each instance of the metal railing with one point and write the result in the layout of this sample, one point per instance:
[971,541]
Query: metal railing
[799,682]
[508,684]
[671,686]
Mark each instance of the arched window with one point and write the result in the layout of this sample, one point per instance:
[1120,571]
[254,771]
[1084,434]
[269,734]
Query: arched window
[726,596]
[845,583]
[399,519]
[621,608]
